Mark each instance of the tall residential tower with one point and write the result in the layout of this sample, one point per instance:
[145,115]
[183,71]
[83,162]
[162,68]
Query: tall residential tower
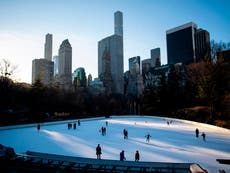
[48,47]
[110,58]
[118,23]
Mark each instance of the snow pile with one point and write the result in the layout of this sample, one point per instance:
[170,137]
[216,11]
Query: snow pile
[174,141]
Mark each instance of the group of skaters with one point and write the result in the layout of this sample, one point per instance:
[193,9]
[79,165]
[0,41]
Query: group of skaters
[103,131]
[197,134]
[122,154]
[169,122]
[74,125]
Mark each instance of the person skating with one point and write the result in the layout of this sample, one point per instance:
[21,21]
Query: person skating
[125,132]
[38,127]
[137,156]
[147,137]
[197,132]
[98,151]
[203,135]
[122,155]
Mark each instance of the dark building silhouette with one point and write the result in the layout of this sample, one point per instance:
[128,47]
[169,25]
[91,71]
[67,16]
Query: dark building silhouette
[225,55]
[186,44]
[202,40]
[181,44]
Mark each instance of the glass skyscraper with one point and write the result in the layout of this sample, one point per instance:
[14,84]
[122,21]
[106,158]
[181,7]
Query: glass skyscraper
[181,44]
[186,44]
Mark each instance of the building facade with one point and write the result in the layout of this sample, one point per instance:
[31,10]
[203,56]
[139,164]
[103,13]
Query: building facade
[48,47]
[55,60]
[110,58]
[155,57]
[146,65]
[186,44]
[42,70]
[203,50]
[89,79]
[64,77]
[133,61]
[79,78]
[181,44]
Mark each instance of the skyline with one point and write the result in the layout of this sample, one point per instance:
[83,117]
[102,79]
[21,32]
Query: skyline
[84,23]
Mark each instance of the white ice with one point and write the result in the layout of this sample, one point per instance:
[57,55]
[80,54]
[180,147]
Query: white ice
[175,142]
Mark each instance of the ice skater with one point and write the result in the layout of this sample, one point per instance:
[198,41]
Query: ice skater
[197,132]
[122,155]
[148,137]
[98,151]
[69,125]
[38,127]
[137,156]
[103,131]
[204,136]
[125,132]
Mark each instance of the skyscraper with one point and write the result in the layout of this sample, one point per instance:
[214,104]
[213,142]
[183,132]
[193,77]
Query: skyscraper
[48,47]
[110,58]
[65,65]
[42,70]
[146,65]
[155,57]
[203,50]
[79,78]
[181,44]
[118,23]
[133,61]
[186,44]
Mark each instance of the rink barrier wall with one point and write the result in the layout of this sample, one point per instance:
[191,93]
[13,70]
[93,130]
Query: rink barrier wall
[49,123]
[114,117]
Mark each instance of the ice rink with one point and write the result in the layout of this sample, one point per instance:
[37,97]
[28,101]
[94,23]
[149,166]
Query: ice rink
[173,142]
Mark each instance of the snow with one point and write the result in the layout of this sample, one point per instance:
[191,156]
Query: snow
[175,142]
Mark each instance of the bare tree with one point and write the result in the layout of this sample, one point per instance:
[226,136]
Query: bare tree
[218,47]
[7,68]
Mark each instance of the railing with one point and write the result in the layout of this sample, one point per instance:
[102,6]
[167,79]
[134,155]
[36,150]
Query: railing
[52,163]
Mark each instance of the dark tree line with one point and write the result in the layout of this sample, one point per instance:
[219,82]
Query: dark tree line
[22,103]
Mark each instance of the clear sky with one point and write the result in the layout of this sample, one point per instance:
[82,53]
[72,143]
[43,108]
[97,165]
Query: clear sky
[24,24]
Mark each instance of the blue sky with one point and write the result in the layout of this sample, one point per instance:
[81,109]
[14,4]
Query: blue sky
[24,24]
